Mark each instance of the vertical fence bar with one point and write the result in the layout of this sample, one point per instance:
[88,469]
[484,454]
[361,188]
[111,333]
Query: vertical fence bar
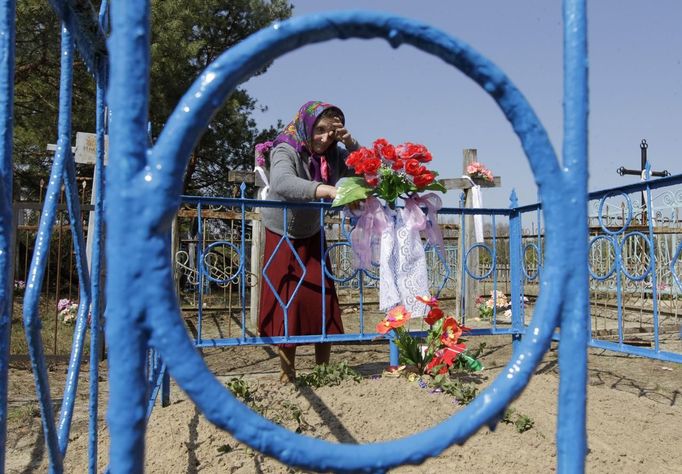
[515,273]
[571,430]
[652,257]
[462,263]
[200,272]
[78,242]
[95,324]
[322,273]
[242,262]
[7,228]
[42,250]
[127,232]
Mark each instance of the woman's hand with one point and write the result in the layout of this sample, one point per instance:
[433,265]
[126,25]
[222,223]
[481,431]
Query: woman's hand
[325,191]
[343,135]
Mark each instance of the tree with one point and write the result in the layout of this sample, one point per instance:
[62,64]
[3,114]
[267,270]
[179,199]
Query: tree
[185,40]
[186,37]
[36,95]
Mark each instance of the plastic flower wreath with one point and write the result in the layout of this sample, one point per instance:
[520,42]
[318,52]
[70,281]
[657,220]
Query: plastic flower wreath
[477,170]
[442,346]
[486,307]
[67,310]
[387,172]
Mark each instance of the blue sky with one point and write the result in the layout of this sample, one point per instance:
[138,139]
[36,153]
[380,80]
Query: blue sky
[405,95]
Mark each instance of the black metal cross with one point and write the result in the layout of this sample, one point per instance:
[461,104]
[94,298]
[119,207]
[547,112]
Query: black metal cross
[661,174]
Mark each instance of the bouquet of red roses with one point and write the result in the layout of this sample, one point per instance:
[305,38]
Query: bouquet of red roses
[387,172]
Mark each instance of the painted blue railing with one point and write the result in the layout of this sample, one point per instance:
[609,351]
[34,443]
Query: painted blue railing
[143,193]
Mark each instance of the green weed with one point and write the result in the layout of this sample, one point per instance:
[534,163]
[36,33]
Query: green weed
[328,375]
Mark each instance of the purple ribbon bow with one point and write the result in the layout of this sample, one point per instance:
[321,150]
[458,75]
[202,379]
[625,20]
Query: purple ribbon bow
[429,223]
[371,223]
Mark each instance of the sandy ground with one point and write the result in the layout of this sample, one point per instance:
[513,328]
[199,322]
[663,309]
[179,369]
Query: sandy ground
[634,416]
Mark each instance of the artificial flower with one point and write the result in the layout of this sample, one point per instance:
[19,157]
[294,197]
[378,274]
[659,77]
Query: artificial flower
[395,318]
[413,151]
[435,314]
[451,332]
[424,179]
[477,170]
[427,300]
[412,167]
[387,172]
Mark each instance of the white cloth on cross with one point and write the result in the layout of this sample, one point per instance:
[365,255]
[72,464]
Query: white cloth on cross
[263,194]
[476,203]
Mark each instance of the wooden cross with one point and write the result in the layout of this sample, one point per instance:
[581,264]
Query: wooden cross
[643,146]
[467,300]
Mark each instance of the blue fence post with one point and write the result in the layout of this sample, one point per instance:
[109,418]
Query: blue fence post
[128,232]
[7,14]
[515,269]
[96,264]
[393,353]
[571,429]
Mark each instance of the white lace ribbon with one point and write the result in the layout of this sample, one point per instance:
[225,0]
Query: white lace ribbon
[389,296]
[403,267]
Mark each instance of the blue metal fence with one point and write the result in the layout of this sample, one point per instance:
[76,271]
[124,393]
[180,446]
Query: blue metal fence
[144,329]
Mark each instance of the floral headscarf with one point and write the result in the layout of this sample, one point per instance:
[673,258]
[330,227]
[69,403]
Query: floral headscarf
[299,134]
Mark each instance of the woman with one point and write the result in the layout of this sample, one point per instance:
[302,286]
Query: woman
[305,164]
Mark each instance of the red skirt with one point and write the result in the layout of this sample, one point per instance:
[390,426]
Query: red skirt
[284,271]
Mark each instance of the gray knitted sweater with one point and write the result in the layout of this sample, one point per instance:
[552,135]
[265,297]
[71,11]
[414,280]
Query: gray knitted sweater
[290,181]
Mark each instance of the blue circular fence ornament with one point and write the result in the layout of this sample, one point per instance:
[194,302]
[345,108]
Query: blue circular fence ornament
[164,183]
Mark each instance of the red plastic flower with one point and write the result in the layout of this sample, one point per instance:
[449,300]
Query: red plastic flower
[395,318]
[359,159]
[371,165]
[451,332]
[424,179]
[383,149]
[413,151]
[412,167]
[428,301]
[436,361]
[434,315]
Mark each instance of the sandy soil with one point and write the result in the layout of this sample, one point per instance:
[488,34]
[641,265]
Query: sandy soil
[634,416]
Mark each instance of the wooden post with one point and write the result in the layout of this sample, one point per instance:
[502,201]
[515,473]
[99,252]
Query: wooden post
[471,285]
[256,252]
[257,243]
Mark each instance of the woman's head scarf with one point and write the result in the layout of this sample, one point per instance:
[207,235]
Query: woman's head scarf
[299,134]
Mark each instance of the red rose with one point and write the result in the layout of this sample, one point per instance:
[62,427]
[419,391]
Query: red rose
[372,179]
[412,167]
[383,149]
[371,165]
[354,158]
[424,179]
[426,156]
[397,165]
[412,151]
[358,160]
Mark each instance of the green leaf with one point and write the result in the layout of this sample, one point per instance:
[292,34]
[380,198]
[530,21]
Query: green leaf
[351,190]
[437,185]
[408,348]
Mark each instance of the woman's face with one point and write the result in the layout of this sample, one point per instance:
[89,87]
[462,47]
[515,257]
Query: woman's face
[324,134]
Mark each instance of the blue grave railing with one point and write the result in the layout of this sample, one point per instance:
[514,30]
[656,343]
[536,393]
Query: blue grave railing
[145,332]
